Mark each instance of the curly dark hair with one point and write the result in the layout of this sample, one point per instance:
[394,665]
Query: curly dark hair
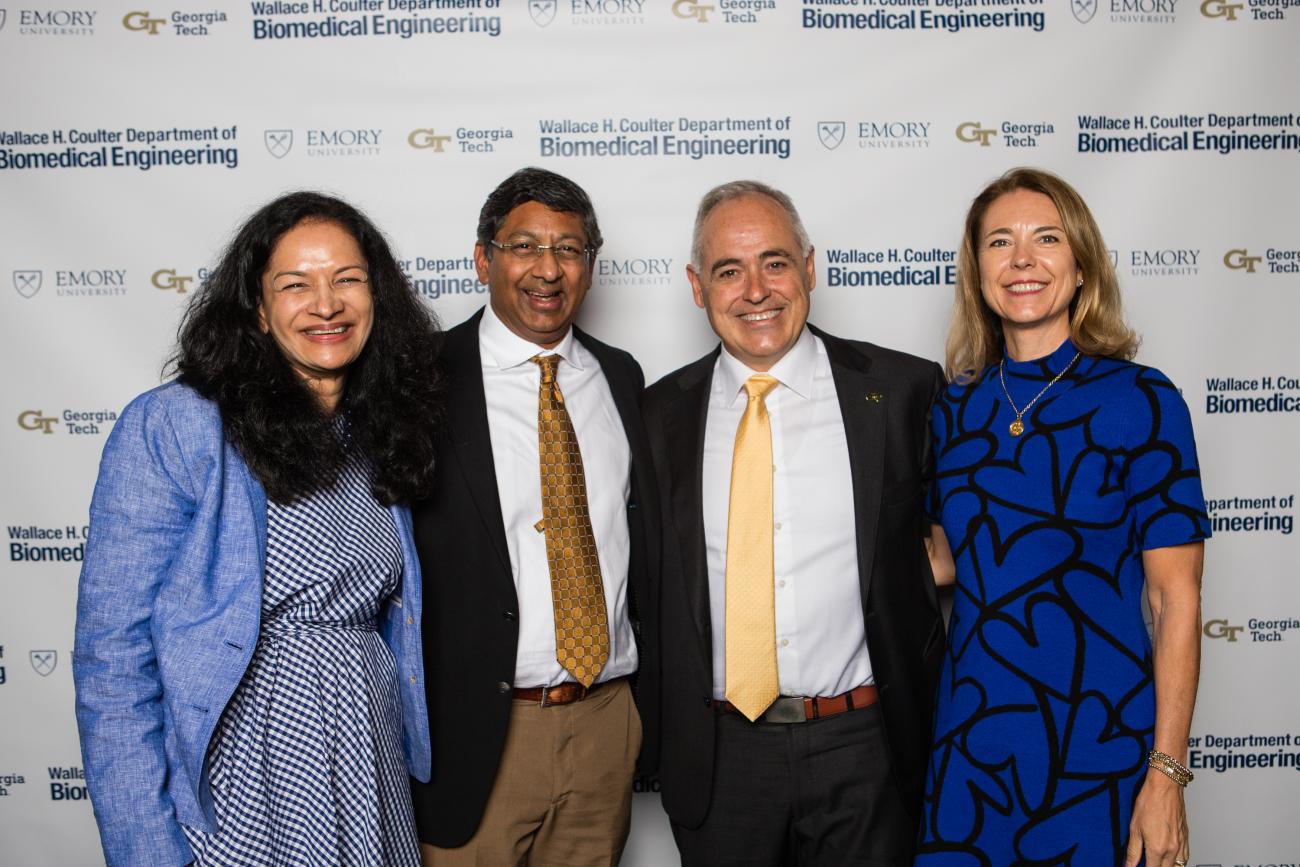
[392,398]
[537,185]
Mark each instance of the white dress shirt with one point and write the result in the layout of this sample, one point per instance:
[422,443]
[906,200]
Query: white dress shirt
[511,384]
[821,645]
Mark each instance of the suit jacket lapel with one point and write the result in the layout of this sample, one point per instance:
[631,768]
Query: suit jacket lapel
[468,432]
[684,425]
[863,401]
[626,394]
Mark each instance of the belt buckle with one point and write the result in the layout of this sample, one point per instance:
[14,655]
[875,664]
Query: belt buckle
[786,709]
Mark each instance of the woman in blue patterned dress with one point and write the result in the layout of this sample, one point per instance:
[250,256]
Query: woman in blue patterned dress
[1066,486]
[248,666]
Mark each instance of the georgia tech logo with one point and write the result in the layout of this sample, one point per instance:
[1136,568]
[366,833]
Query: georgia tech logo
[1240,259]
[28,282]
[831,133]
[690,9]
[1221,629]
[140,21]
[427,139]
[1083,10]
[542,11]
[34,419]
[278,141]
[1220,9]
[973,131]
[167,278]
[43,661]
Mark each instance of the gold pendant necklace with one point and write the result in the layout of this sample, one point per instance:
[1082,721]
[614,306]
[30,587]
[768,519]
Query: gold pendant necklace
[1018,427]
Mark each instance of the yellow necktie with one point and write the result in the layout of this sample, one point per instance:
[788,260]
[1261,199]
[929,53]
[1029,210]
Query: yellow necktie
[751,608]
[581,627]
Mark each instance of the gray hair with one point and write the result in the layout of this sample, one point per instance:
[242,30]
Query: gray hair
[736,190]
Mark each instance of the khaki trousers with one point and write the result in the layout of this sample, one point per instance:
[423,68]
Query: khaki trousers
[563,792]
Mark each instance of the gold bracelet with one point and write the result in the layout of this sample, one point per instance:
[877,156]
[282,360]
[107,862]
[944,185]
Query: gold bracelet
[1170,767]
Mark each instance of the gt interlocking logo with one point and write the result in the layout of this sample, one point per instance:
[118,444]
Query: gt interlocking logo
[168,280]
[140,22]
[35,420]
[688,9]
[1220,9]
[427,139]
[974,131]
[1240,260]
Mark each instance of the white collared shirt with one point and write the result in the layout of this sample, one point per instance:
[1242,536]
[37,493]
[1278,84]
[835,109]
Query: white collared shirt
[821,645]
[511,384]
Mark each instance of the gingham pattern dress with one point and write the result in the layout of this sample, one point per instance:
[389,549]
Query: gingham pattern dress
[307,765]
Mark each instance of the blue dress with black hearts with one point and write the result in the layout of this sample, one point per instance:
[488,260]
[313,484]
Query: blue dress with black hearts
[1046,705]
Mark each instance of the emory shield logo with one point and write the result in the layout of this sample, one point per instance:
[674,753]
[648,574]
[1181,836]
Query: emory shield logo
[831,133]
[43,661]
[28,283]
[542,11]
[278,141]
[1083,10]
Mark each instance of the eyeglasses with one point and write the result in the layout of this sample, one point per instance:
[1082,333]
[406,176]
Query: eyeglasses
[527,251]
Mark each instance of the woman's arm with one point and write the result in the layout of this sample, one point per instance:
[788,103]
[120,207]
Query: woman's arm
[941,562]
[1159,824]
[137,518]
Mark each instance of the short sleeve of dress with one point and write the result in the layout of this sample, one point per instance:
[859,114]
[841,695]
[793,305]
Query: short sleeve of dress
[1163,478]
[938,433]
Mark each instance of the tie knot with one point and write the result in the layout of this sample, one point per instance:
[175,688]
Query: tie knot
[760,385]
[548,364]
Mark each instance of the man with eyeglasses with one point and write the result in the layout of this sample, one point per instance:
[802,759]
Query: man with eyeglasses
[539,546]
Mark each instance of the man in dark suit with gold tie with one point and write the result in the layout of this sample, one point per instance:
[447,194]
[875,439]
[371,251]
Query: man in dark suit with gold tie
[539,547]
[801,636]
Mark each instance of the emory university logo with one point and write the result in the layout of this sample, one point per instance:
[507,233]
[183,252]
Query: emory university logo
[542,11]
[831,133]
[1083,10]
[27,283]
[278,141]
[43,661]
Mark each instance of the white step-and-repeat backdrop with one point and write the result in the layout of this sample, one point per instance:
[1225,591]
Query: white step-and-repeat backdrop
[135,136]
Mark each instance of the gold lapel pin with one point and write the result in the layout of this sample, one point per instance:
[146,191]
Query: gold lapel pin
[875,396]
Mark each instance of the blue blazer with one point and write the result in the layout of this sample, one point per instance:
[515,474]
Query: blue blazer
[168,615]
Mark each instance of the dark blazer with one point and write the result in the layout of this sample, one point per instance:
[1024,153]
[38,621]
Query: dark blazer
[885,400]
[470,605]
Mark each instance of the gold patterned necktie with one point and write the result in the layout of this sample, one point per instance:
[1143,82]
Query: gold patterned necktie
[751,607]
[581,627]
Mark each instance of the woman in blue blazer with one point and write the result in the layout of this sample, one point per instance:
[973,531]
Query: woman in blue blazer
[248,656]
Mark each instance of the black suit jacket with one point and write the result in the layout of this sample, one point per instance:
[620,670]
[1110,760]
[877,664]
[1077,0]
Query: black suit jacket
[470,605]
[885,400]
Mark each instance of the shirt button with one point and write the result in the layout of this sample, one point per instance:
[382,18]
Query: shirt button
[409,620]
[781,583]
[785,642]
[777,525]
[508,615]
[412,680]
[503,687]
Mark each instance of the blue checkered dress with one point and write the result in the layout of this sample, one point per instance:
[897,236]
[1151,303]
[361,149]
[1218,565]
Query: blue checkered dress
[306,764]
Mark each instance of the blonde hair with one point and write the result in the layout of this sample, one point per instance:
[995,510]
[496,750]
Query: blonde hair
[1097,324]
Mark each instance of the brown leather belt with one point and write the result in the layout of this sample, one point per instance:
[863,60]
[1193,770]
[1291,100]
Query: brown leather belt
[563,693]
[797,709]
